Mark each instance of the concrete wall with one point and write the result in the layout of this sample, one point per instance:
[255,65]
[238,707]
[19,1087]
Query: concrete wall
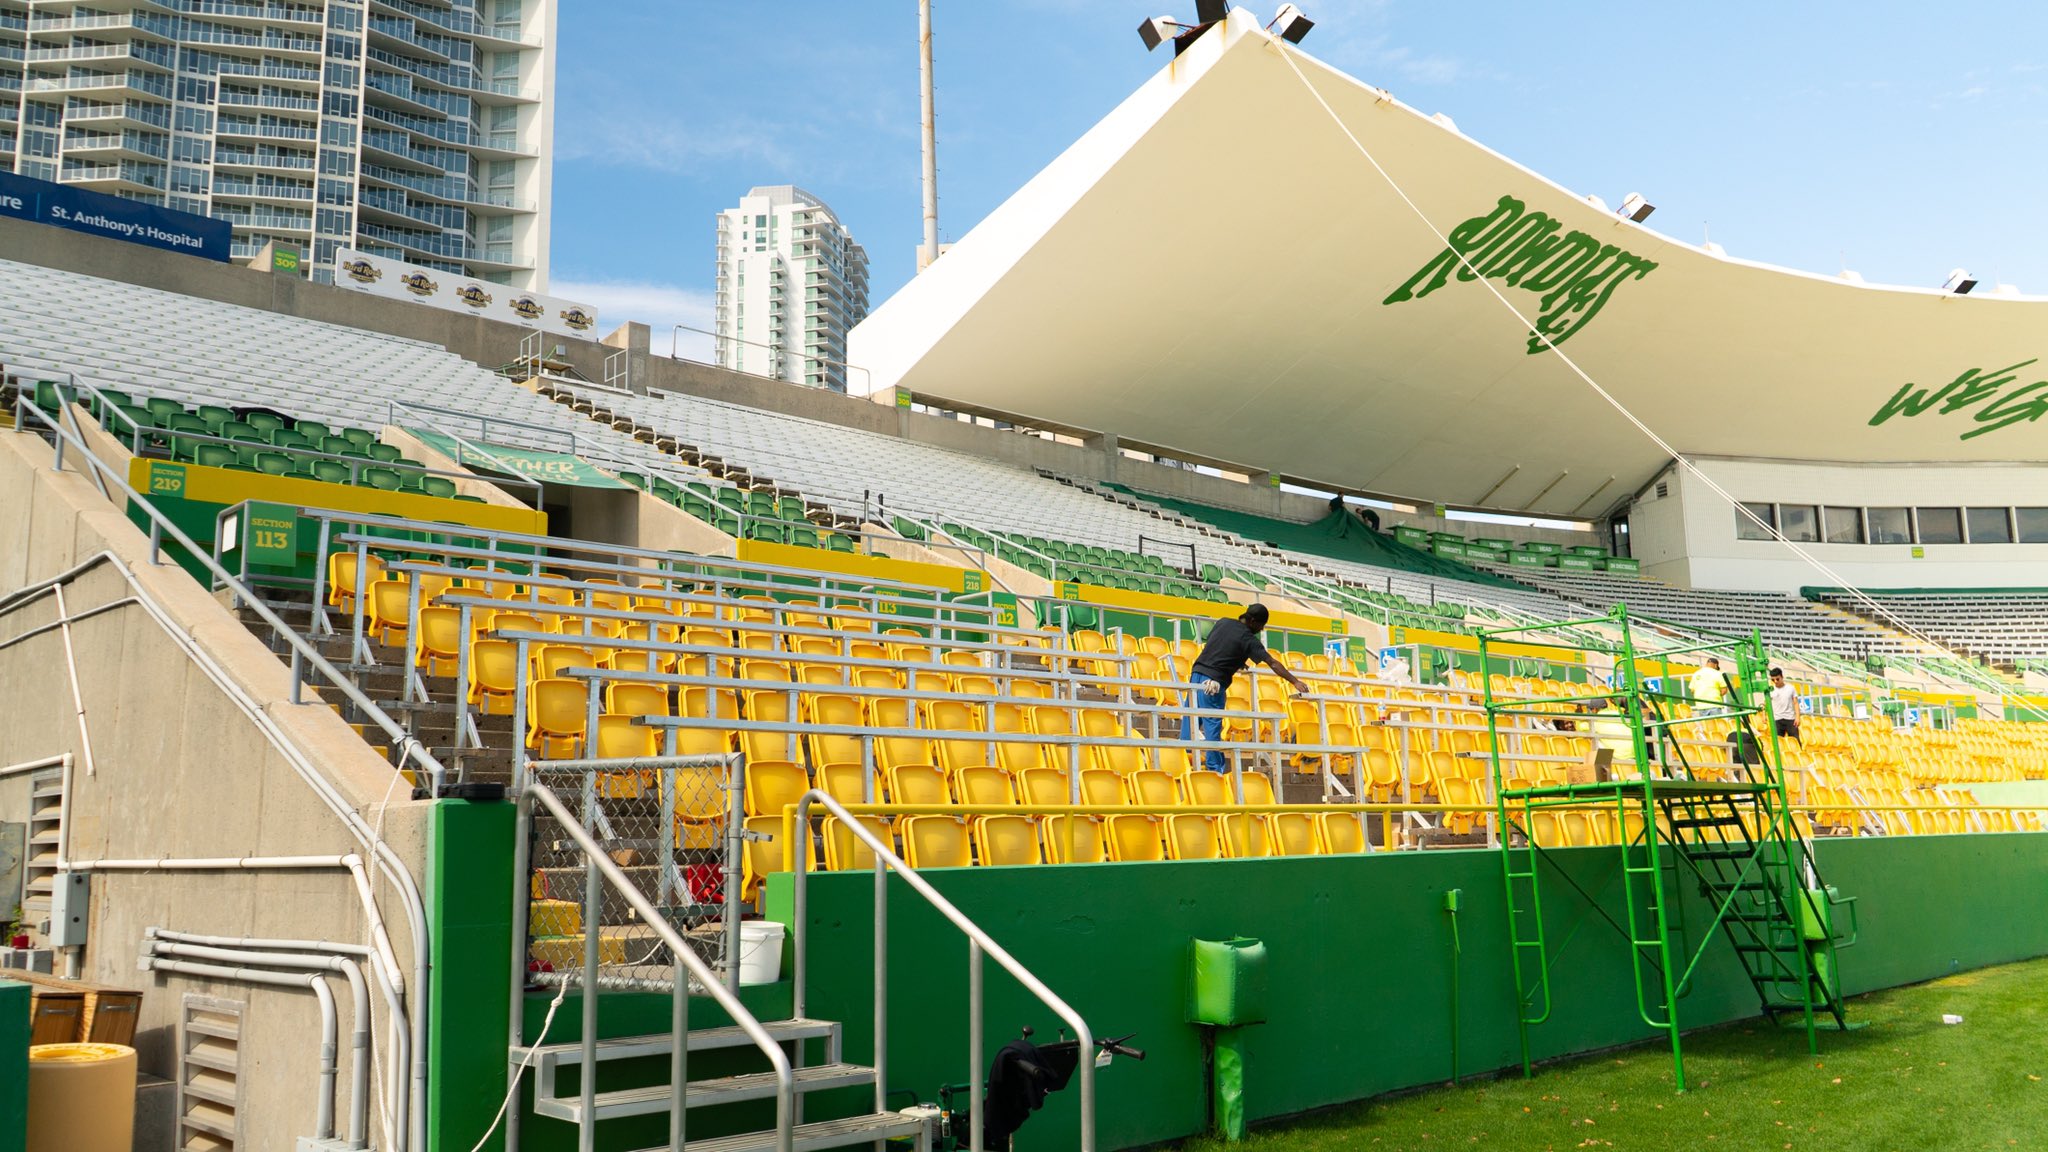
[491,344]
[181,772]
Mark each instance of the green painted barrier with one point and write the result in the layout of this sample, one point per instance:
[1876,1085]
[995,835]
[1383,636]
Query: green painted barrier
[14,1032]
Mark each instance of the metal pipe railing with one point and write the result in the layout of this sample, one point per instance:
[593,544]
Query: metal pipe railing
[980,944]
[598,866]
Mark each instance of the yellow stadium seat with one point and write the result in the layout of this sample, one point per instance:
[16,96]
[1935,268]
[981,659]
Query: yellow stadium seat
[846,781]
[1005,840]
[618,737]
[936,842]
[830,748]
[983,784]
[918,784]
[1100,786]
[343,582]
[1294,833]
[1133,838]
[769,706]
[1207,789]
[1019,756]
[634,699]
[494,675]
[1459,790]
[1247,835]
[386,618]
[1258,788]
[1193,837]
[844,851]
[1152,787]
[1087,832]
[438,647]
[766,853]
[772,785]
[556,711]
[1039,787]
[1340,834]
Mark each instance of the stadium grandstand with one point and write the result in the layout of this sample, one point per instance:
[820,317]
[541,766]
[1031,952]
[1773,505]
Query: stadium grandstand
[425,732]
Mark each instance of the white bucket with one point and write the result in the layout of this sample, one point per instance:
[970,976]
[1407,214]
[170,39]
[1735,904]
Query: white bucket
[760,951]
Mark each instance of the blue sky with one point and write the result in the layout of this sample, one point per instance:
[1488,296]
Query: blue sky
[1897,139]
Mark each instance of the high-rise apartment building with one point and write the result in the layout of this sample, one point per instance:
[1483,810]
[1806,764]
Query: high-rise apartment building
[791,282]
[414,129]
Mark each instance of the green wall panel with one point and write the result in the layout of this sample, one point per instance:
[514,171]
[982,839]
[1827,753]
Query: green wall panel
[14,1033]
[1360,964]
[469,914]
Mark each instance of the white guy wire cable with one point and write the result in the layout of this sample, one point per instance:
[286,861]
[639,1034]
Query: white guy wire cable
[1815,562]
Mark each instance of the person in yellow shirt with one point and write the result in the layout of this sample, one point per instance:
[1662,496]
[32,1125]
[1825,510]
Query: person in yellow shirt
[1708,688]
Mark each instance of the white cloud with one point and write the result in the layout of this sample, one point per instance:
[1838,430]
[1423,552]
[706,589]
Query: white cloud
[659,306]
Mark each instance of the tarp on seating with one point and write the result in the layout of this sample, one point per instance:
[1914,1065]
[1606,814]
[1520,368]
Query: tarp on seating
[1341,535]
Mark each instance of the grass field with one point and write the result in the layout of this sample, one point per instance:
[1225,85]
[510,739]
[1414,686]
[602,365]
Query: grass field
[1903,1083]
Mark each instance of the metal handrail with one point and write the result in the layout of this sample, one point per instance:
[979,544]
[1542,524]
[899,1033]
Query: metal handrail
[979,942]
[303,653]
[597,864]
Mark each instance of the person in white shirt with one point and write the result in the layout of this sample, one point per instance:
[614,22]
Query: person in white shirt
[1706,687]
[1784,705]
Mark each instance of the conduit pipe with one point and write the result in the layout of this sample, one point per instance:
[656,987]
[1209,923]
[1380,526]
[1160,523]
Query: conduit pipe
[401,1036]
[359,1031]
[413,1102]
[324,1119]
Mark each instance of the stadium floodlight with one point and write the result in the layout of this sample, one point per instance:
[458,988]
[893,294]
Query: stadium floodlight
[1636,208]
[1958,282]
[1156,31]
[1211,11]
[1290,24]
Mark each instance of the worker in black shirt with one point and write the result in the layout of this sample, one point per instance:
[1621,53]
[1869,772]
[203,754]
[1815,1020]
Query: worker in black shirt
[1232,644]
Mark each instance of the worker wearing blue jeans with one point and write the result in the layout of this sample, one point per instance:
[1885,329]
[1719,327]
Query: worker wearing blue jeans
[1232,644]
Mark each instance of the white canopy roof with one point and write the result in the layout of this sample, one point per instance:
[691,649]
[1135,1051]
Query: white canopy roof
[1216,270]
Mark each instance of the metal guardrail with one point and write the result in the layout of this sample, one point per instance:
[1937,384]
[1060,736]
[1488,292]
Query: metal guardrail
[303,654]
[979,943]
[599,870]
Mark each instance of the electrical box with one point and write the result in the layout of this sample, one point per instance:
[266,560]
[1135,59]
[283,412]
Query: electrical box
[1227,982]
[70,910]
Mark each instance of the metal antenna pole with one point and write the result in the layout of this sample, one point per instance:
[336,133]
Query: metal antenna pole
[930,250]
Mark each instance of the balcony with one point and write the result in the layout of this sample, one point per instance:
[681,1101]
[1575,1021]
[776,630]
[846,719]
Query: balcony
[87,111]
[164,26]
[227,126]
[144,82]
[252,158]
[293,222]
[287,13]
[255,100]
[261,189]
[231,67]
[159,55]
[143,144]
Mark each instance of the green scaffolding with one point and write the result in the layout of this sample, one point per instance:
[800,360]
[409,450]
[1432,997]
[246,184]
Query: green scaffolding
[1678,820]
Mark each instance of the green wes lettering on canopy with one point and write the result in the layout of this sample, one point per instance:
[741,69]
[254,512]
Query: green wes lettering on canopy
[530,463]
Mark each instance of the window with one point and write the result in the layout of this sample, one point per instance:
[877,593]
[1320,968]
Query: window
[1842,525]
[1938,525]
[1748,529]
[1990,525]
[1889,526]
[2032,524]
[1799,522]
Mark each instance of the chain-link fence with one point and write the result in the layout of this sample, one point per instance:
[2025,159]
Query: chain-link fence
[668,829]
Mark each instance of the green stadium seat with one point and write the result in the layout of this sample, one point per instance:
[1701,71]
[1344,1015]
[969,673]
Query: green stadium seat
[438,486]
[335,445]
[792,508]
[731,498]
[331,471]
[362,438]
[214,456]
[765,531]
[265,422]
[802,535]
[383,478]
[288,438]
[215,416]
[313,430]
[162,408]
[387,453]
[666,492]
[635,479]
[728,524]
[839,542]
[115,397]
[273,463]
[699,507]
